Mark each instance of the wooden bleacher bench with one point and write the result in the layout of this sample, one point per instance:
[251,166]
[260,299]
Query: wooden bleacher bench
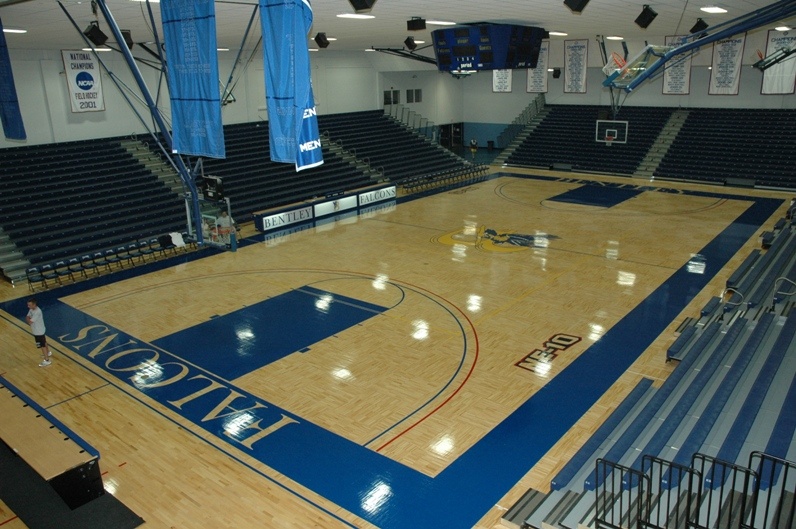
[57,454]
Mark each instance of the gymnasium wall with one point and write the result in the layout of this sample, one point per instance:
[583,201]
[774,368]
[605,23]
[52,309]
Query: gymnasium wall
[352,81]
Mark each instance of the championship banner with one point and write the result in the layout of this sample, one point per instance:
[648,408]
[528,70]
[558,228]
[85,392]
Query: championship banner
[725,74]
[10,115]
[292,121]
[83,80]
[677,72]
[501,80]
[537,77]
[781,77]
[189,31]
[576,55]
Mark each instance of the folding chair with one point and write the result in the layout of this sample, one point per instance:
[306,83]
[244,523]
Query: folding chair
[145,248]
[112,258]
[76,267]
[100,260]
[88,264]
[34,276]
[62,270]
[123,255]
[134,253]
[48,273]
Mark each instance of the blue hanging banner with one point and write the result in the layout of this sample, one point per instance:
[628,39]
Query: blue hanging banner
[189,30]
[10,115]
[292,121]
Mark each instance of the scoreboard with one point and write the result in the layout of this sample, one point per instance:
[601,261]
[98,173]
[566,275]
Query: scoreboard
[487,47]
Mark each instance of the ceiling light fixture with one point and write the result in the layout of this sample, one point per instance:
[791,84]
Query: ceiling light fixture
[615,37]
[713,9]
[783,28]
[14,30]
[557,34]
[440,23]
[354,15]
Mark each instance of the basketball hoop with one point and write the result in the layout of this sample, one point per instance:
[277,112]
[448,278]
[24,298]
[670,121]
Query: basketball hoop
[608,140]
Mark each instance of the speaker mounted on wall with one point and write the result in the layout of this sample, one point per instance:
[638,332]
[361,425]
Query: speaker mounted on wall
[95,34]
[700,25]
[362,6]
[415,24]
[128,38]
[646,17]
[321,40]
[576,6]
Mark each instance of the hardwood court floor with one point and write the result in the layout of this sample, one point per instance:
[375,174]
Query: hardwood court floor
[402,384]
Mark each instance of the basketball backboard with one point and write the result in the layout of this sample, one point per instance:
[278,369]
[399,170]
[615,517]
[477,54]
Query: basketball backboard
[620,73]
[610,131]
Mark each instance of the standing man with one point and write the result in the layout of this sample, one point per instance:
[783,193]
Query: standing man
[35,319]
[225,225]
[473,147]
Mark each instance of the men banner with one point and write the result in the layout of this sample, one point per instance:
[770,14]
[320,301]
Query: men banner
[10,115]
[83,80]
[292,121]
[781,77]
[189,30]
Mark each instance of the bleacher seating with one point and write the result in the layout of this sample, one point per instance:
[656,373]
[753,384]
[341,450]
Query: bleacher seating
[67,200]
[716,145]
[728,400]
[254,183]
[567,136]
[388,145]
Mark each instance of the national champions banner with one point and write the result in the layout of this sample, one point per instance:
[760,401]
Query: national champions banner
[292,121]
[677,72]
[725,72]
[189,30]
[10,115]
[576,57]
[536,81]
[83,80]
[781,77]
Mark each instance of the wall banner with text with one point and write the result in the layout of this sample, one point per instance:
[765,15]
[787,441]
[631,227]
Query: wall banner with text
[501,80]
[537,77]
[725,73]
[83,80]
[576,55]
[781,77]
[677,72]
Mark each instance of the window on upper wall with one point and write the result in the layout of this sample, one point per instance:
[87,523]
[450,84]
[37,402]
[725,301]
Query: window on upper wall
[414,95]
[392,97]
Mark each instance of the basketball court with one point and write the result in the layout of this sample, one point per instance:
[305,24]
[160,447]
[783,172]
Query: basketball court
[420,365]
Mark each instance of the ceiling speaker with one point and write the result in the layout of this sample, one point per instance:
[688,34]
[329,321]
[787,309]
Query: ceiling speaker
[128,38]
[362,6]
[321,40]
[95,34]
[646,17]
[700,25]
[556,73]
[410,43]
[576,6]
[415,24]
